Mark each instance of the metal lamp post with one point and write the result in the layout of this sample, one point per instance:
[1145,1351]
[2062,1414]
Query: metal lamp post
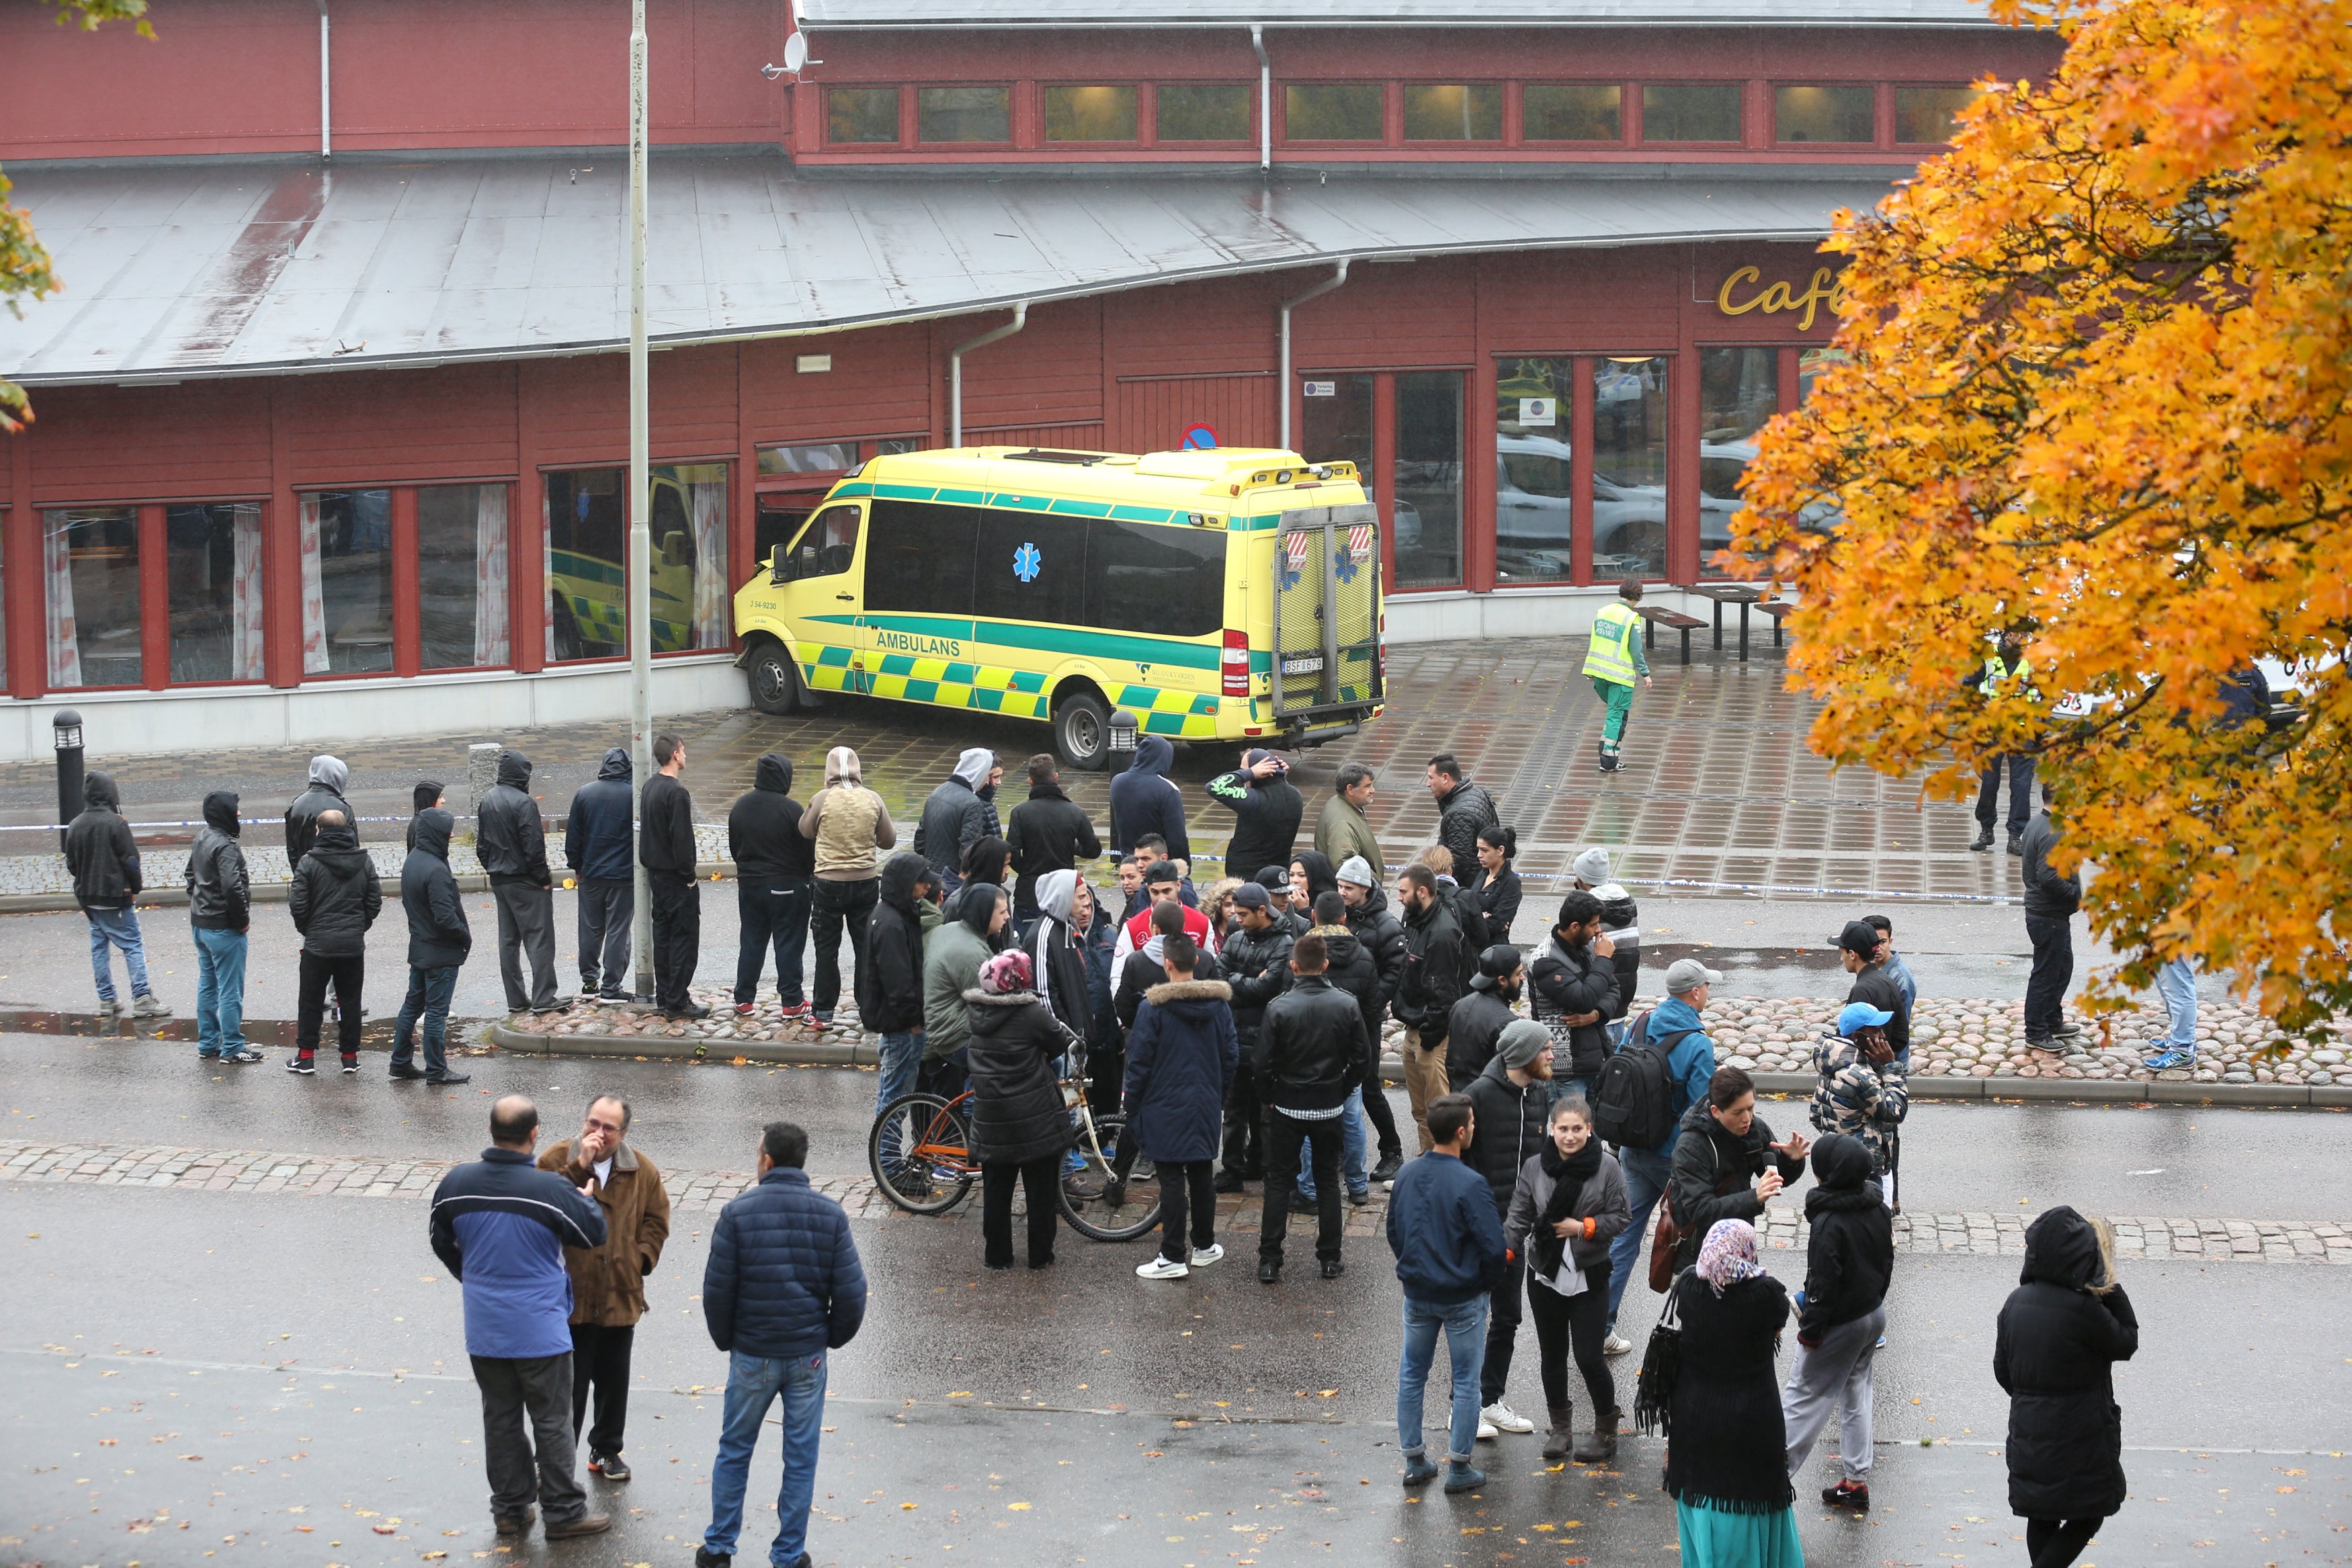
[640,589]
[1122,731]
[68,729]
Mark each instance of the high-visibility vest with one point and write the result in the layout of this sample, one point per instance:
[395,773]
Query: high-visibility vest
[1610,657]
[1996,672]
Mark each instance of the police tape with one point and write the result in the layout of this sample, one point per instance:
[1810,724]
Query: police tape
[1795,890]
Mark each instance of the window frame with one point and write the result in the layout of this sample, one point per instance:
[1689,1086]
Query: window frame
[1380,139]
[1624,138]
[1500,87]
[1775,85]
[1010,87]
[1894,107]
[900,139]
[1139,137]
[1638,133]
[1148,125]
[729,461]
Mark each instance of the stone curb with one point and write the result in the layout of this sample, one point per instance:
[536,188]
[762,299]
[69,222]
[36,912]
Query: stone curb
[679,1048]
[275,892]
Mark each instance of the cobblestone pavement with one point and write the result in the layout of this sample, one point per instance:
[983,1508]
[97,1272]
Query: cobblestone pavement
[2137,1236]
[1719,793]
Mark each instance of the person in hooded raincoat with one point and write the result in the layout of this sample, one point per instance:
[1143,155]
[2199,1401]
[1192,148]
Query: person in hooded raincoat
[511,841]
[1145,802]
[1181,1056]
[890,981]
[220,908]
[958,814]
[774,867]
[848,823]
[597,846]
[439,941]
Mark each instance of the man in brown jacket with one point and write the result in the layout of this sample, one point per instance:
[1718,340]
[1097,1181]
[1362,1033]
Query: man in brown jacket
[608,1293]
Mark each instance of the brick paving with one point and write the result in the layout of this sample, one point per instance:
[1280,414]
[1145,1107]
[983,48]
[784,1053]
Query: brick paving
[1719,792]
[2137,1237]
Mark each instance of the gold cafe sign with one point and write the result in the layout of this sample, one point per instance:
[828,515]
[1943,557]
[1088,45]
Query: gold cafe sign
[1825,288]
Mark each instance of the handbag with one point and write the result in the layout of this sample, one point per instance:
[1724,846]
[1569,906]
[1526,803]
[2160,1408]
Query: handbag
[1654,1395]
[1665,1242]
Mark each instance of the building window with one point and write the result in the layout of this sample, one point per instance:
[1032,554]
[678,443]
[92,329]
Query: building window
[963,113]
[1929,114]
[1473,114]
[1089,114]
[461,576]
[1629,468]
[1428,479]
[1691,112]
[817,457]
[1810,364]
[587,552]
[347,582]
[1332,111]
[90,558]
[1739,390]
[1534,477]
[1338,425]
[213,573]
[1810,113]
[861,114]
[1572,111]
[1203,111]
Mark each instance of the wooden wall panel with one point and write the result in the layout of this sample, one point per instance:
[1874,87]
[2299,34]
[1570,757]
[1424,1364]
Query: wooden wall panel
[582,409]
[1200,329]
[1086,438]
[1391,315]
[1154,412]
[880,384]
[162,444]
[1590,301]
[399,426]
[1050,373]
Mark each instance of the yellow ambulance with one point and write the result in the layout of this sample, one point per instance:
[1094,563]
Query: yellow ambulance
[1219,594]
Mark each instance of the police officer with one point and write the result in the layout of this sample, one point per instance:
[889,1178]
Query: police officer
[1615,660]
[2005,663]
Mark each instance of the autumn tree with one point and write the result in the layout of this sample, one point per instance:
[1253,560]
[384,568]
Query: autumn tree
[2097,358]
[25,272]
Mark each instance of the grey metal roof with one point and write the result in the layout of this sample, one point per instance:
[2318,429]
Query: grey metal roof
[839,13]
[178,271]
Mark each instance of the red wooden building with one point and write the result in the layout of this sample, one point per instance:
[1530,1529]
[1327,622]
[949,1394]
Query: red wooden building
[333,395]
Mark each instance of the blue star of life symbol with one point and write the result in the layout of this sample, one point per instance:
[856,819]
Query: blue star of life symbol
[1027,563]
[1343,559]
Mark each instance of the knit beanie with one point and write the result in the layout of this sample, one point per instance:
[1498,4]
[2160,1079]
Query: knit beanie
[1521,1041]
[1358,870]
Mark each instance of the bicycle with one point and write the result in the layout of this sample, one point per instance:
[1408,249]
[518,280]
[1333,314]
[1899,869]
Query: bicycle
[932,1169]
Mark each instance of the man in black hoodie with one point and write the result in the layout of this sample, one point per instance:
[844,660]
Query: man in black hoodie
[511,844]
[104,859]
[1437,972]
[438,941]
[774,866]
[1840,1314]
[596,847]
[336,897]
[1257,957]
[1310,1056]
[1478,1019]
[2050,901]
[427,796]
[889,984]
[1266,808]
[666,845]
[220,906]
[1048,832]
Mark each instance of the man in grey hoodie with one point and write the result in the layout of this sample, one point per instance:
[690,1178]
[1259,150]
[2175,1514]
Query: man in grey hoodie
[958,814]
[324,793]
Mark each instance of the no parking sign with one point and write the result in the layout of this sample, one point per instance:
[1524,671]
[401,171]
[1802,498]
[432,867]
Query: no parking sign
[1199,438]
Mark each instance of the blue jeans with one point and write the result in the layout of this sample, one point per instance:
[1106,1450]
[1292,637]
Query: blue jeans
[1466,1344]
[1354,1145]
[429,998]
[1646,1178]
[220,992]
[902,1053]
[754,1382]
[117,928]
[2176,983]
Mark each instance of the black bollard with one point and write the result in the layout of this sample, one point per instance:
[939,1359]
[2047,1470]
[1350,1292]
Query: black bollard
[68,725]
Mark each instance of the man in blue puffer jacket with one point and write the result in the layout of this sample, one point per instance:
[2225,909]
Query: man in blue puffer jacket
[784,1286]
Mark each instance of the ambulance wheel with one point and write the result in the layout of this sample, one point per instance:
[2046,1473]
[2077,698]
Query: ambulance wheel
[1082,732]
[775,681]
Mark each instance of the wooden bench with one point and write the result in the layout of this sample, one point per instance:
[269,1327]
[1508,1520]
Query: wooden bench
[1654,617]
[1778,608]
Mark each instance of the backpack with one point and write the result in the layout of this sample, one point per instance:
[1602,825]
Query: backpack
[1633,1097]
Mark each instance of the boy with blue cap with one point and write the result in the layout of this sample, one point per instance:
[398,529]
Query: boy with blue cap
[1862,1090]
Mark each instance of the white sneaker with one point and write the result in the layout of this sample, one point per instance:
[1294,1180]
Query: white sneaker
[1503,1418]
[1487,1430]
[1613,1345]
[1204,1256]
[1161,1269]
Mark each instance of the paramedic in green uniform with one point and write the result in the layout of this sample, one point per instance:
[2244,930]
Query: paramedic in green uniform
[1614,660]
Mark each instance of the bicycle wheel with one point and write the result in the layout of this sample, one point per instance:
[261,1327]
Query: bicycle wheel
[919,1154]
[1118,1211]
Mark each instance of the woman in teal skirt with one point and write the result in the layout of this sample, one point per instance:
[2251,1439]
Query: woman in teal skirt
[1727,1462]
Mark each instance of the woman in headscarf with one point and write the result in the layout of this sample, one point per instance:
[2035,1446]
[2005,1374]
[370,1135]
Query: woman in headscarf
[1311,873]
[984,863]
[1727,1452]
[1020,1128]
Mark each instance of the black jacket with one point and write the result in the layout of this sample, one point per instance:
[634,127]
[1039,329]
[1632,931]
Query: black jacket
[1018,1112]
[665,840]
[1376,926]
[1144,800]
[509,839]
[1140,972]
[890,981]
[100,851]
[1713,1175]
[438,935]
[325,793]
[1851,1256]
[1465,809]
[1180,1059]
[763,829]
[1875,985]
[1353,971]
[1730,1447]
[1508,1128]
[2048,895]
[954,819]
[1257,967]
[1437,970]
[1497,899]
[1311,1048]
[336,895]
[1266,813]
[2055,1351]
[220,896]
[1477,1021]
[1048,832]
[1563,981]
[597,828]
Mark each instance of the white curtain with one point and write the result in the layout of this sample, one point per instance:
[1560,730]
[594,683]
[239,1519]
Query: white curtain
[490,630]
[315,658]
[65,637]
[245,604]
[710,564]
[546,571]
